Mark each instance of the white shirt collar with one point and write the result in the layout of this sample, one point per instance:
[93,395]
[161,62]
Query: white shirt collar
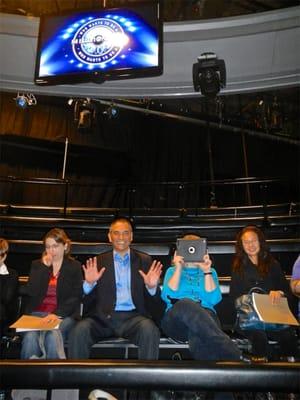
[3,270]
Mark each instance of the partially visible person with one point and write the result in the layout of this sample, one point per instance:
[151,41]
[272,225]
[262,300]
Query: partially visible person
[8,289]
[190,291]
[295,282]
[254,266]
[121,296]
[54,292]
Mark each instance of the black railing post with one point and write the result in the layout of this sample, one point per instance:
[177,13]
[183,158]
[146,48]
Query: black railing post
[131,201]
[66,197]
[264,190]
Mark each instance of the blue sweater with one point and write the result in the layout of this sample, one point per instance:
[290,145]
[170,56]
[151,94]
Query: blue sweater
[192,287]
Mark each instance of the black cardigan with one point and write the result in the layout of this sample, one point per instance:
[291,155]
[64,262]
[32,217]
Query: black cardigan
[8,295]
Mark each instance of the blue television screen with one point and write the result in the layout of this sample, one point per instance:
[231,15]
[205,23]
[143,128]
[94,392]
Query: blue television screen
[100,45]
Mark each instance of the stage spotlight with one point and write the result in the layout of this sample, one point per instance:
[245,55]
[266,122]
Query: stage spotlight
[25,99]
[21,101]
[111,112]
[31,99]
[84,114]
[85,119]
[209,74]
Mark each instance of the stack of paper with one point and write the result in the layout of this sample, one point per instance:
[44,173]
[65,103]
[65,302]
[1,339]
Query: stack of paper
[33,323]
[278,313]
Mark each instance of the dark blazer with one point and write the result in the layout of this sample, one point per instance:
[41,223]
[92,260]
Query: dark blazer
[68,291]
[8,296]
[101,302]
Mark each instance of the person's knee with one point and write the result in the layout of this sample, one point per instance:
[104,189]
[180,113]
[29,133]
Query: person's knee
[150,329]
[30,345]
[186,307]
[81,329]
[30,337]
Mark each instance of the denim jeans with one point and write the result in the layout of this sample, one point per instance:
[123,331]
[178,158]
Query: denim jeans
[46,344]
[189,321]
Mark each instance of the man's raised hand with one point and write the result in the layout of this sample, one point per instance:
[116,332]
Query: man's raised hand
[151,278]
[91,272]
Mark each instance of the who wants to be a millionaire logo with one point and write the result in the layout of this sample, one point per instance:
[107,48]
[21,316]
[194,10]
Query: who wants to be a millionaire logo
[98,41]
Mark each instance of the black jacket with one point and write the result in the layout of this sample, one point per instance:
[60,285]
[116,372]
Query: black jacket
[8,296]
[249,278]
[101,302]
[68,291]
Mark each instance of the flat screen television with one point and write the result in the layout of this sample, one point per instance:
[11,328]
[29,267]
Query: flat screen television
[99,45]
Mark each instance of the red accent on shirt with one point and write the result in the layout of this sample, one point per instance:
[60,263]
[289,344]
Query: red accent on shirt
[49,304]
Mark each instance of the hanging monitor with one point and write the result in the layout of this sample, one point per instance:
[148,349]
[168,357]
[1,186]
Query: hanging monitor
[99,45]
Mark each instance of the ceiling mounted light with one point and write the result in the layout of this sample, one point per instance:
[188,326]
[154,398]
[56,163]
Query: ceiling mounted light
[84,113]
[209,74]
[25,99]
[111,112]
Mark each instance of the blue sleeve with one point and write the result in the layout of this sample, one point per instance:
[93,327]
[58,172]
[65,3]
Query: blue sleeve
[87,288]
[166,291]
[210,299]
[296,269]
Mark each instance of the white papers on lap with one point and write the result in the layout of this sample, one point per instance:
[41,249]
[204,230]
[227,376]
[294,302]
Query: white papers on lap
[33,323]
[279,313]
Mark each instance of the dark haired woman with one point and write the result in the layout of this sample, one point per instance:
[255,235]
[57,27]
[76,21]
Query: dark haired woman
[254,266]
[53,292]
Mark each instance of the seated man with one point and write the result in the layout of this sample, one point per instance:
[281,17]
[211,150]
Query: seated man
[121,288]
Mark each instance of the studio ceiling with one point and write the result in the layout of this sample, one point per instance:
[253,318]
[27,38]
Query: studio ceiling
[174,10]
[272,112]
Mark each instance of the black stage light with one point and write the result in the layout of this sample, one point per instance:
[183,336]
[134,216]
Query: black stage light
[21,101]
[209,74]
[111,112]
[85,119]
[25,99]
[84,114]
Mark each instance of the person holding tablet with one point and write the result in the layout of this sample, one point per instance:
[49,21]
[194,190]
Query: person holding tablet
[190,291]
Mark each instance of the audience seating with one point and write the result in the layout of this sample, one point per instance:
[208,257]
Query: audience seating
[156,231]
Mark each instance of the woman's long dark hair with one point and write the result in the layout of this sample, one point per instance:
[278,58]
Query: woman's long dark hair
[265,259]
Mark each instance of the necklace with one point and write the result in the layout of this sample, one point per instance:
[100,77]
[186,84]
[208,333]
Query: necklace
[57,274]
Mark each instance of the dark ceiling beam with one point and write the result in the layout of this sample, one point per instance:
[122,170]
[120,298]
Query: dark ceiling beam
[195,121]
